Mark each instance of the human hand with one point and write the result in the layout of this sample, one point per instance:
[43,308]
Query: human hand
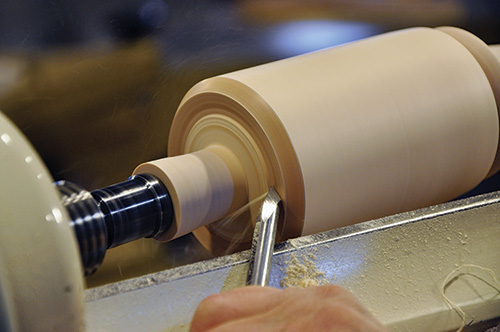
[325,308]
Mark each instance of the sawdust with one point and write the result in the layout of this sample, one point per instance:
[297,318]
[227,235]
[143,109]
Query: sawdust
[302,272]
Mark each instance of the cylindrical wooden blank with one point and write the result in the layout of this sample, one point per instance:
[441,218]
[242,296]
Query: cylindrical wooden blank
[376,127]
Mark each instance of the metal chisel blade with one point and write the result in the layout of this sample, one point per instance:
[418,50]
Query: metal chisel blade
[263,240]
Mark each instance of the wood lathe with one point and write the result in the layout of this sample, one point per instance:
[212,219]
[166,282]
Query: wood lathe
[346,135]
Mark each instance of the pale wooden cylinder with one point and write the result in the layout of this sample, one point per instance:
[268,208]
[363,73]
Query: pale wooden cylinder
[376,127]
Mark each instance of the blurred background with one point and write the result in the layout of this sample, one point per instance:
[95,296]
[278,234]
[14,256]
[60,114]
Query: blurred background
[94,85]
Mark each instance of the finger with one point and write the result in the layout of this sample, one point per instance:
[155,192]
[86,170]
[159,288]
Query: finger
[325,308]
[232,305]
[309,314]
[252,313]
[338,294]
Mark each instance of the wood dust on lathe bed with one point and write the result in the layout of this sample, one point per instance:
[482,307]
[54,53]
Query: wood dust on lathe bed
[302,272]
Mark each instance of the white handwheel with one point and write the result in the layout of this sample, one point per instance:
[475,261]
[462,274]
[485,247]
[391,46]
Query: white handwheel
[41,286]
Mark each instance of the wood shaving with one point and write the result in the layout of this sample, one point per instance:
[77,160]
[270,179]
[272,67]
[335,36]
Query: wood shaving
[302,272]
[453,276]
